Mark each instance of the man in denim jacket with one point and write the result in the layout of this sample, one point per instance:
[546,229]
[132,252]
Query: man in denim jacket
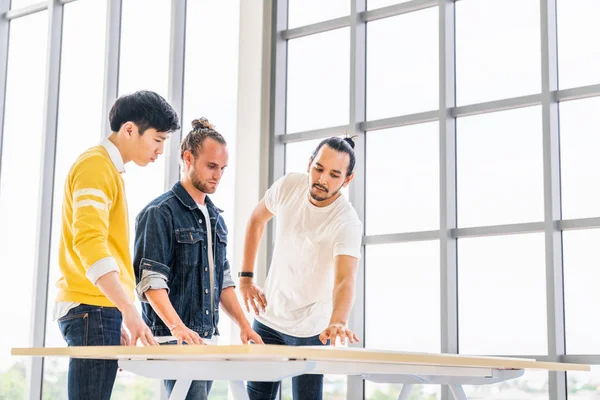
[180,258]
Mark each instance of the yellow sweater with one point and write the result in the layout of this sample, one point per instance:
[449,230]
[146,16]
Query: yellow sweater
[95,228]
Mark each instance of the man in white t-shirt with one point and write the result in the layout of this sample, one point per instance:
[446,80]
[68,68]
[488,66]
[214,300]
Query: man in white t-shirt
[309,290]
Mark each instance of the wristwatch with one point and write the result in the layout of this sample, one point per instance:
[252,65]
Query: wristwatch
[246,274]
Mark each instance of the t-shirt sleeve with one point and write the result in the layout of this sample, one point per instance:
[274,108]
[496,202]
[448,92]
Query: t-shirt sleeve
[274,195]
[348,239]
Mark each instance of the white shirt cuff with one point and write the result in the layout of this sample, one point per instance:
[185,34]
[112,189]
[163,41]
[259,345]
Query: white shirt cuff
[100,268]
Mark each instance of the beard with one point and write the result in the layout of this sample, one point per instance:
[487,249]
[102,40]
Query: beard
[202,186]
[325,196]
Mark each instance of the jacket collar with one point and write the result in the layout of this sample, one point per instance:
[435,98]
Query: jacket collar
[184,197]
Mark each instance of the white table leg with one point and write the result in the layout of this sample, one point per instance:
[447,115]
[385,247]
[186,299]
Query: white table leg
[238,390]
[180,390]
[405,392]
[458,392]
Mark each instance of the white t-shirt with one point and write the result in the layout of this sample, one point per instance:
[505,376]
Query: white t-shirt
[299,286]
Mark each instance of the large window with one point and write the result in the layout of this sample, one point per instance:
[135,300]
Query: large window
[20,181]
[504,167]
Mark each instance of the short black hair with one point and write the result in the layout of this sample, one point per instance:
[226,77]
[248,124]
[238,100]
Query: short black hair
[343,145]
[146,109]
[201,130]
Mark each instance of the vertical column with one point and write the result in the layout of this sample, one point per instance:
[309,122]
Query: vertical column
[4,39]
[358,61]
[552,198]
[176,82]
[278,96]
[448,244]
[111,61]
[40,285]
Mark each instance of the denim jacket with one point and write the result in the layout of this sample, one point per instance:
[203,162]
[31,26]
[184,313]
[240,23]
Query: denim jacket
[171,253]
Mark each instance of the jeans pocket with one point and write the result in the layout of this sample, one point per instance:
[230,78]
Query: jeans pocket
[74,329]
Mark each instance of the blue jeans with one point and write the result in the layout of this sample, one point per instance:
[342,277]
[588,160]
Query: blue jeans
[199,390]
[87,325]
[304,387]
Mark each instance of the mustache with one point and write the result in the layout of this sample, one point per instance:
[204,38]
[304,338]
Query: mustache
[321,187]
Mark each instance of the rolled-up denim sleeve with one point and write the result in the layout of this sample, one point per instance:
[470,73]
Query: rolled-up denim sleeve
[150,280]
[227,279]
[153,250]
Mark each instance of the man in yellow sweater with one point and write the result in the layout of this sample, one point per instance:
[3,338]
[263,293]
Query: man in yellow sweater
[96,289]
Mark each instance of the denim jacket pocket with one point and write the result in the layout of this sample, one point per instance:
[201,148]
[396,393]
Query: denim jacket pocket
[189,245]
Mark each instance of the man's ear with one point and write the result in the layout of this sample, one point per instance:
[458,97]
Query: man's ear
[129,128]
[348,179]
[188,157]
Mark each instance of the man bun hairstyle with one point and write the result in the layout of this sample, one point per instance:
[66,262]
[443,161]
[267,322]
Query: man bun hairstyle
[350,141]
[201,130]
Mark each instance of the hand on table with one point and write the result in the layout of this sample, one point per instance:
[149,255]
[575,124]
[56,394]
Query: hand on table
[335,330]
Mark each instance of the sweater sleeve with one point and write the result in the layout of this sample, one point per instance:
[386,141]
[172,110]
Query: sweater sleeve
[93,191]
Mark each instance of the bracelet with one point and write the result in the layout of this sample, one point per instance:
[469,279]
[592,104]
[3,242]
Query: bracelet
[171,327]
[245,274]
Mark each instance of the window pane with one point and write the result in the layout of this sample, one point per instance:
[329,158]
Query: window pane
[217,99]
[372,4]
[581,257]
[318,81]
[578,64]
[402,181]
[500,168]
[580,165]
[20,188]
[402,73]
[533,385]
[306,12]
[81,60]
[297,157]
[502,295]
[493,62]
[298,154]
[412,272]
[584,385]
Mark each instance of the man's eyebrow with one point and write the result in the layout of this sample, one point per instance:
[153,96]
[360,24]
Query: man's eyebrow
[333,170]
